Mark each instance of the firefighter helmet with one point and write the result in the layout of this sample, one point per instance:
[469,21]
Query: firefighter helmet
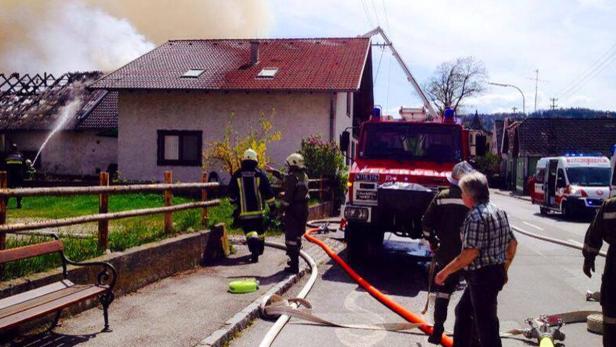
[250,154]
[460,169]
[296,159]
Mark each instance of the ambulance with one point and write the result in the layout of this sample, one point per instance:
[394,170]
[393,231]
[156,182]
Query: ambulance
[572,185]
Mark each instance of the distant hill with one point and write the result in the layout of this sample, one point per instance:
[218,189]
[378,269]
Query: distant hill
[488,119]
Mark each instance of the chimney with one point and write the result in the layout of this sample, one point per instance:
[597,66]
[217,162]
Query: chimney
[254,52]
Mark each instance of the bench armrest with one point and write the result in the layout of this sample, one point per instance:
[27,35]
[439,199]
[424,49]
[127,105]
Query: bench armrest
[106,277]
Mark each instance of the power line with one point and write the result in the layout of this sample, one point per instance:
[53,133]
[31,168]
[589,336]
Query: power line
[368,19]
[553,106]
[598,69]
[378,67]
[376,13]
[386,16]
[591,71]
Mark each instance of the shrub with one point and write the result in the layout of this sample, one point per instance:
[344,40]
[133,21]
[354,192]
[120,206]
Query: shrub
[230,149]
[325,159]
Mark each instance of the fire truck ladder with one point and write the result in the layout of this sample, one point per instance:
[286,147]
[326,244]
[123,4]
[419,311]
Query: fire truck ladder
[409,75]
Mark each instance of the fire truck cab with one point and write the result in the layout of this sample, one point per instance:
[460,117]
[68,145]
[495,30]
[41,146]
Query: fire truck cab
[571,184]
[399,166]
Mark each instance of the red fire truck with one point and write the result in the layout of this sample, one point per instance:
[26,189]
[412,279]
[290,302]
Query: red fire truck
[399,166]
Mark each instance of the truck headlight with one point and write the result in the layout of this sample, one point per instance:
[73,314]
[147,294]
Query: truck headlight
[356,213]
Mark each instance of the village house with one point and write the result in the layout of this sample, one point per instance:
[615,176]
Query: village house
[479,139]
[178,98]
[31,106]
[528,140]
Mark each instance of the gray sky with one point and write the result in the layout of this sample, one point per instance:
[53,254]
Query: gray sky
[564,39]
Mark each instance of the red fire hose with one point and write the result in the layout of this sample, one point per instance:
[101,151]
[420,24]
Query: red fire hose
[384,299]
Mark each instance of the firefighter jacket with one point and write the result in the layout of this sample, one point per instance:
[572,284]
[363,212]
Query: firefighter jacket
[295,200]
[603,228]
[250,189]
[443,221]
[16,169]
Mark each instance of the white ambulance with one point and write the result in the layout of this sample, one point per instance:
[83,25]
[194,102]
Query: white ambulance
[571,184]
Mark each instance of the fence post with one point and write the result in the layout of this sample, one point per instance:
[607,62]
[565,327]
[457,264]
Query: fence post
[3,207]
[168,202]
[321,189]
[103,207]
[204,217]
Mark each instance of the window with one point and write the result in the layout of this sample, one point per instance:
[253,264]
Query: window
[540,175]
[589,176]
[349,99]
[179,147]
[192,73]
[268,72]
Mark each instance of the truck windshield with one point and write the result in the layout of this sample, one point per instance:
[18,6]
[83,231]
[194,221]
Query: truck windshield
[412,142]
[589,176]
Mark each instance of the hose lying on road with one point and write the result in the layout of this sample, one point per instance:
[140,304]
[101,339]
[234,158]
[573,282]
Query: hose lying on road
[384,299]
[551,239]
[282,320]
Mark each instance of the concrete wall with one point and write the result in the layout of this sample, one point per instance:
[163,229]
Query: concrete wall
[69,152]
[142,113]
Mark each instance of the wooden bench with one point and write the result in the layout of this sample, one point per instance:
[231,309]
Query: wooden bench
[54,297]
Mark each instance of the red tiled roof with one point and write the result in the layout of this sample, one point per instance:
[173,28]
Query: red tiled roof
[303,64]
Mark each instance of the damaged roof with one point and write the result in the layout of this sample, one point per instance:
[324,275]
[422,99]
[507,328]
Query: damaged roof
[328,64]
[37,102]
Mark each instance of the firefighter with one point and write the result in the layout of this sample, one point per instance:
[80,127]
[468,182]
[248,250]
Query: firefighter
[17,169]
[603,228]
[295,206]
[250,190]
[441,224]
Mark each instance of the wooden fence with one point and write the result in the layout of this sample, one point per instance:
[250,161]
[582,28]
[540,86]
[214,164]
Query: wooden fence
[103,190]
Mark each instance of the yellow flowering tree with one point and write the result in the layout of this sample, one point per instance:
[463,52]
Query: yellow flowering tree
[230,149]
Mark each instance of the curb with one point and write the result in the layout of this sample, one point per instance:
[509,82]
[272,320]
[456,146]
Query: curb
[242,319]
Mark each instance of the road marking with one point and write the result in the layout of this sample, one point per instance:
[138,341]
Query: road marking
[352,338]
[533,225]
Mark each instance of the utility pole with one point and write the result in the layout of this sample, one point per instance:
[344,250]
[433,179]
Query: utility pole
[515,109]
[553,106]
[536,87]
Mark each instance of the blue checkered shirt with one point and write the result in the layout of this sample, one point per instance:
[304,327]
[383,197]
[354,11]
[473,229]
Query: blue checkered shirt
[486,228]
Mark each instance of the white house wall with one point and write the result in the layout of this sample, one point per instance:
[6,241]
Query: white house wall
[142,113]
[69,152]
[342,120]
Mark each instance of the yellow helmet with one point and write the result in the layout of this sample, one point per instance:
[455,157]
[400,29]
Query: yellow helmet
[296,160]
[250,154]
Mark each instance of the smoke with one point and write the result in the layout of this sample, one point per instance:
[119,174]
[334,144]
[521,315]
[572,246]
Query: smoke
[81,35]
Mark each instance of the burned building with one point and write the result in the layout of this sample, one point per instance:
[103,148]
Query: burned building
[83,122]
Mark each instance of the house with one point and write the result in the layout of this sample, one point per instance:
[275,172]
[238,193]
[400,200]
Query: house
[528,140]
[479,139]
[178,98]
[31,106]
[497,137]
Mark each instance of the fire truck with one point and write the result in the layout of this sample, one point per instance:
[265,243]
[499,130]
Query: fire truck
[399,166]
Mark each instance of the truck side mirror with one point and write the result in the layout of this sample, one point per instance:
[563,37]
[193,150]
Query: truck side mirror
[345,140]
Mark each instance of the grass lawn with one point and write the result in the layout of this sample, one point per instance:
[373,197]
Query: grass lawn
[123,233]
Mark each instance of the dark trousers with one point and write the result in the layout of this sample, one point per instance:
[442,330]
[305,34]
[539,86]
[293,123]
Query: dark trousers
[608,298]
[443,294]
[476,313]
[295,219]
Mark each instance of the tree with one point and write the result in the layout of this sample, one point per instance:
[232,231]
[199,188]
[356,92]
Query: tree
[455,81]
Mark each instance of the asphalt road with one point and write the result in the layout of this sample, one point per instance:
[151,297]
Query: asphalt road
[544,279]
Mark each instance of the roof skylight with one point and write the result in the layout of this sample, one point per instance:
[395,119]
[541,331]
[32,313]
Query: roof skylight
[192,73]
[268,72]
